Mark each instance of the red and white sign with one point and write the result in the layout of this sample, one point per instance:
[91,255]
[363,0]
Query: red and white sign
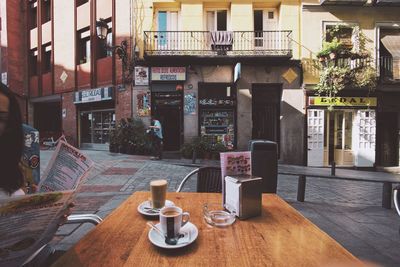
[168,73]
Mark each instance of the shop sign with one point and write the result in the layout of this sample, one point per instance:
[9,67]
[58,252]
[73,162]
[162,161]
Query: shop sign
[93,95]
[237,72]
[141,75]
[343,101]
[216,102]
[168,73]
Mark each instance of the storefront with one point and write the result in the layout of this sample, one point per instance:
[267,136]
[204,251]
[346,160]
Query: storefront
[167,103]
[96,120]
[341,130]
[217,113]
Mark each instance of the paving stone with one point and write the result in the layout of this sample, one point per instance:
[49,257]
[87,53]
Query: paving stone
[119,171]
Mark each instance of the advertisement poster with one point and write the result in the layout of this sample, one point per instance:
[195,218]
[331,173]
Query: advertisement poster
[190,104]
[30,162]
[141,75]
[143,103]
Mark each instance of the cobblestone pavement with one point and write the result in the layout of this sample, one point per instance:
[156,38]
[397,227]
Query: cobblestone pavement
[350,212]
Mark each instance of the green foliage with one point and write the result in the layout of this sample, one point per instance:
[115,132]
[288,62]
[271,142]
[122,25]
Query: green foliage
[130,137]
[203,147]
[340,67]
[330,47]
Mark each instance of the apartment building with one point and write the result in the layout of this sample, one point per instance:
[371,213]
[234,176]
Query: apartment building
[13,65]
[75,80]
[225,70]
[354,133]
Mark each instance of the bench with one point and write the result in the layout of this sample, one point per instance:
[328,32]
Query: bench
[388,179]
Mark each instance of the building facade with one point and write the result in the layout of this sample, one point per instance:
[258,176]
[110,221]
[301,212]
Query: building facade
[225,70]
[74,78]
[229,71]
[362,129]
[13,64]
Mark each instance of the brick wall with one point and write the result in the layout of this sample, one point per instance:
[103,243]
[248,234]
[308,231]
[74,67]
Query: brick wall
[69,123]
[123,107]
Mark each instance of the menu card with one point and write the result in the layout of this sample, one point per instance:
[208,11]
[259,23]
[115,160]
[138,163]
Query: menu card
[234,163]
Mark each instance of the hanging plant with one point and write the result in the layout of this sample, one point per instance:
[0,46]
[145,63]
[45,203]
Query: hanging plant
[340,66]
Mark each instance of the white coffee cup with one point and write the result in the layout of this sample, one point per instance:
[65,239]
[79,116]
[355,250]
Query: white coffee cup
[172,219]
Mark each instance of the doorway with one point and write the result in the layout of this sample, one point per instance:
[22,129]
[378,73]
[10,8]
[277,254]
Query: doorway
[265,29]
[95,128]
[167,108]
[266,101]
[388,141]
[339,137]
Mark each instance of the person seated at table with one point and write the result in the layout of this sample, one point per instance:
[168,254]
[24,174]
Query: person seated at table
[11,145]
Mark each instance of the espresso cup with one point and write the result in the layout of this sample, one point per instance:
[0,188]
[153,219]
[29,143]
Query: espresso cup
[158,189]
[172,219]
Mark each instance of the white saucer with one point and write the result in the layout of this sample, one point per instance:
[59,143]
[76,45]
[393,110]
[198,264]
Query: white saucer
[145,208]
[189,231]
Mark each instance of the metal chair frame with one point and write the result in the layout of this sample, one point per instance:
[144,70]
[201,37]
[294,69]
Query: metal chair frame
[200,180]
[47,250]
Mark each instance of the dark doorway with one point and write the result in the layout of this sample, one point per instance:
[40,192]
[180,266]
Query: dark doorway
[388,139]
[266,100]
[47,119]
[167,107]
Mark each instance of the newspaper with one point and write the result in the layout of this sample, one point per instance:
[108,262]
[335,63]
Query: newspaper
[29,222]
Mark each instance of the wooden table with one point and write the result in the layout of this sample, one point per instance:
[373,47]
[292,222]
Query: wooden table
[280,237]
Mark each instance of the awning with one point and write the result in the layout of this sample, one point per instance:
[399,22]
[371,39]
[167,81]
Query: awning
[392,44]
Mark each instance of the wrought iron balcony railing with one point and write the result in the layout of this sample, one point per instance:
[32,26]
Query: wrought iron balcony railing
[207,43]
[343,2]
[389,69]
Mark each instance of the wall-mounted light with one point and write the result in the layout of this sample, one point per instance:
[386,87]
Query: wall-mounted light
[121,50]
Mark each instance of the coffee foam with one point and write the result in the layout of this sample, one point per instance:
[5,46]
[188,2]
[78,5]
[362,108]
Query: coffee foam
[158,182]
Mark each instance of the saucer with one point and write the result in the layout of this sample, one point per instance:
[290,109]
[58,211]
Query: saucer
[189,231]
[146,209]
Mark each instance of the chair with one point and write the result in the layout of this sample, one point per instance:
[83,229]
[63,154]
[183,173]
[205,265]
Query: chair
[42,256]
[396,198]
[208,180]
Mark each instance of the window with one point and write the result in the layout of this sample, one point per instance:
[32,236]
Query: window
[343,33]
[265,20]
[102,50]
[81,2]
[265,25]
[46,11]
[46,58]
[167,25]
[217,20]
[83,46]
[33,55]
[32,14]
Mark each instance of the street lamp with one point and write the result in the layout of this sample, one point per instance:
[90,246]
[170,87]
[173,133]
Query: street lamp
[120,50]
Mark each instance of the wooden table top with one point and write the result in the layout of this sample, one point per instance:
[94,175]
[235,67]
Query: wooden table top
[281,236]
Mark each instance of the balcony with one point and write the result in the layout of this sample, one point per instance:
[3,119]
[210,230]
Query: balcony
[343,2]
[389,69]
[219,43]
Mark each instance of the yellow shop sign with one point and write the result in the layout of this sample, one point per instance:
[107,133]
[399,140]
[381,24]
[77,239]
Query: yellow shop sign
[343,101]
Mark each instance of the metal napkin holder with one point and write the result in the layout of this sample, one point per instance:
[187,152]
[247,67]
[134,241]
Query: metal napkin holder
[243,195]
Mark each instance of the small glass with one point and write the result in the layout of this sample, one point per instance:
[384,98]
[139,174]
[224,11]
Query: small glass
[215,214]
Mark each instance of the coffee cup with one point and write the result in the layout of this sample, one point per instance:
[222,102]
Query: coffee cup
[158,189]
[172,219]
